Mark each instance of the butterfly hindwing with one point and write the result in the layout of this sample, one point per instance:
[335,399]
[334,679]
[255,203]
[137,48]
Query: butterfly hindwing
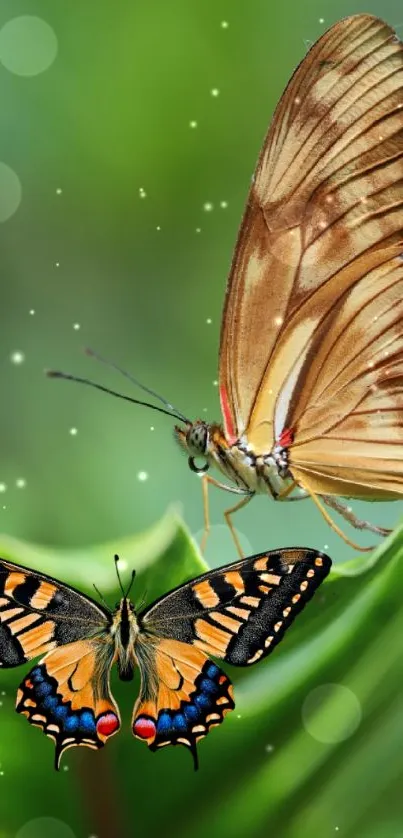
[67,695]
[38,613]
[241,611]
[183,695]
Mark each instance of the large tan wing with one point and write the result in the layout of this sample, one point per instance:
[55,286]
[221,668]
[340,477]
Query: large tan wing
[325,209]
[348,437]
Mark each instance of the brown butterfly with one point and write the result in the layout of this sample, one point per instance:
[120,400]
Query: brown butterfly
[311,356]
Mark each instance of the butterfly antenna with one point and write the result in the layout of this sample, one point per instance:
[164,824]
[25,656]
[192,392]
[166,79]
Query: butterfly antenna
[116,557]
[102,598]
[89,383]
[142,601]
[113,366]
[130,584]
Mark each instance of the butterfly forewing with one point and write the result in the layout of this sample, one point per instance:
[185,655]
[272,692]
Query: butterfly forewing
[324,221]
[241,611]
[38,613]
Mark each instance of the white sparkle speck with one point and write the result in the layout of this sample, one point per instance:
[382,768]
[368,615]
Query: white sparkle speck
[239,716]
[57,264]
[21,483]
[198,229]
[322,20]
[32,311]
[325,546]
[215,383]
[76,327]
[223,204]
[158,228]
[3,487]
[17,357]
[73,431]
[209,321]
[224,24]
[215,92]
[192,123]
[142,192]
[142,476]
[269,749]
[208,206]
[59,191]
[278,321]
[152,428]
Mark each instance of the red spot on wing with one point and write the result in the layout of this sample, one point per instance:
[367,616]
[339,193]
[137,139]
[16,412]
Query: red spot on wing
[286,438]
[107,724]
[144,728]
[227,416]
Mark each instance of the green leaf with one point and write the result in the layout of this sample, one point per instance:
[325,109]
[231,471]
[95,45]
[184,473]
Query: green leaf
[163,557]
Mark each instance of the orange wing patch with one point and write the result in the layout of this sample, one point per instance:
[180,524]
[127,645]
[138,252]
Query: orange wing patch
[191,695]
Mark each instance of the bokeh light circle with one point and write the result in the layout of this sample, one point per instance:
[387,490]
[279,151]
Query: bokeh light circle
[220,547]
[10,192]
[45,828]
[28,45]
[331,713]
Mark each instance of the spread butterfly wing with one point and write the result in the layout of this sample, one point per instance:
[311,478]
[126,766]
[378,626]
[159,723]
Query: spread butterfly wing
[324,213]
[237,613]
[67,693]
[37,613]
[241,611]
[183,695]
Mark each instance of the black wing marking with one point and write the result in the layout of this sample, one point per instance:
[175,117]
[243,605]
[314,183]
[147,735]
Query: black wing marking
[240,612]
[38,613]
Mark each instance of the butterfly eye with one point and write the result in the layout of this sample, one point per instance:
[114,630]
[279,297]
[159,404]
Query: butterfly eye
[197,438]
[197,469]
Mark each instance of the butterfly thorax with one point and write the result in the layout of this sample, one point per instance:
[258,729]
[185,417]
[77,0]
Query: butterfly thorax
[249,472]
[125,630]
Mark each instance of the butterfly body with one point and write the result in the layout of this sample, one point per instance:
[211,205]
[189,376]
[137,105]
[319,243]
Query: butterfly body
[238,613]
[249,472]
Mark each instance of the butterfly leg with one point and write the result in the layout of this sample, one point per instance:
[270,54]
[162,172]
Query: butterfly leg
[206,480]
[333,525]
[351,518]
[227,516]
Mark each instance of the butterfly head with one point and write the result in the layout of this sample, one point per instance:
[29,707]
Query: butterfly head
[195,440]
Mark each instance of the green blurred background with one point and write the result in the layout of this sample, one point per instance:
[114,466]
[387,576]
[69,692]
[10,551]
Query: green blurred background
[134,151]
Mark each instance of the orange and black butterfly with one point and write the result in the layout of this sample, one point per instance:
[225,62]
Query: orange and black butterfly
[311,356]
[237,613]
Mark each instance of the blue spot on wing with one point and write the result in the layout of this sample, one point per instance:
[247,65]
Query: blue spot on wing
[164,722]
[212,670]
[179,723]
[37,674]
[191,712]
[87,721]
[43,689]
[71,724]
[207,686]
[61,712]
[203,701]
[50,702]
